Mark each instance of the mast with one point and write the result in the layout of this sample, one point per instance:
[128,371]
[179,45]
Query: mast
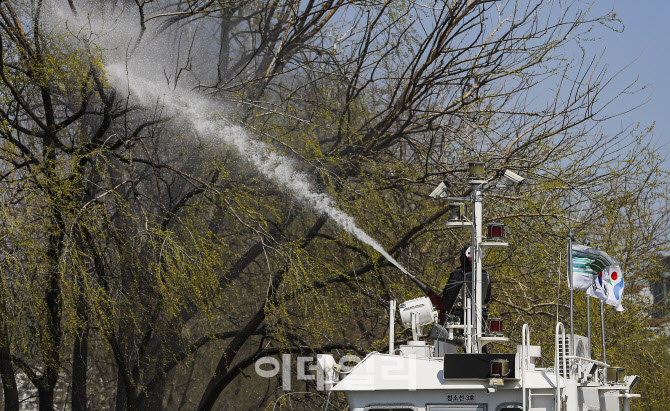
[473,304]
[479,183]
[572,295]
[477,289]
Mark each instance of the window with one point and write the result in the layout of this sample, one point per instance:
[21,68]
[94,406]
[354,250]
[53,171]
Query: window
[509,406]
[389,409]
[660,289]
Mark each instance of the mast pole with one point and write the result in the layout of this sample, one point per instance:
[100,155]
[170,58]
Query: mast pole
[572,295]
[602,329]
[467,319]
[588,321]
[477,260]
[468,300]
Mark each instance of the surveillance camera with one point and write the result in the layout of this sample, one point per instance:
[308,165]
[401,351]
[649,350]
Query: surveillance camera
[513,177]
[440,190]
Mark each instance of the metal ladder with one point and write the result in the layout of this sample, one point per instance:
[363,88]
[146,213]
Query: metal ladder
[560,362]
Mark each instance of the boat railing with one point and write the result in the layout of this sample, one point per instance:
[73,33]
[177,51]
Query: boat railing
[597,370]
[584,359]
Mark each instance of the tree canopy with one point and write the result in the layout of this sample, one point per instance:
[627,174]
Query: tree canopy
[183,185]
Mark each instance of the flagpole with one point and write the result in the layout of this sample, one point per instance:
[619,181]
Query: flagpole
[572,301]
[588,321]
[602,325]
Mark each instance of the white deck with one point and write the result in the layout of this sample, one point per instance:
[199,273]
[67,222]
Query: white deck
[383,381]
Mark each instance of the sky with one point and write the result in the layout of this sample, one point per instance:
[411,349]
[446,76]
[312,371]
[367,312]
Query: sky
[644,47]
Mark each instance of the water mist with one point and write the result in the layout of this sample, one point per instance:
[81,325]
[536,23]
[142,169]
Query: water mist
[141,71]
[196,110]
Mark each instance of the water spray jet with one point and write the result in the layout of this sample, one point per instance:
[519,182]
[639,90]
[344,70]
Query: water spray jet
[140,76]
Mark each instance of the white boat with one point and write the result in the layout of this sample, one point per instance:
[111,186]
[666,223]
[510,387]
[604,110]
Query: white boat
[457,373]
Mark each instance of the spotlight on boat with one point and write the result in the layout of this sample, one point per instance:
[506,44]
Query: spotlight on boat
[499,368]
[615,375]
[456,211]
[476,173]
[416,313]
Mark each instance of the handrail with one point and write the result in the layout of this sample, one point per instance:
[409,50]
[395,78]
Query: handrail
[392,305]
[575,357]
[525,345]
[561,329]
[525,362]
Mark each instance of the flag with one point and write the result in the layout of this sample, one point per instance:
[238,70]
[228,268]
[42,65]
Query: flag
[608,286]
[597,273]
[587,262]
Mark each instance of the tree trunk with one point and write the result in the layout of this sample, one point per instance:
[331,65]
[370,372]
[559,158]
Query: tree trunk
[120,393]
[79,365]
[46,398]
[9,388]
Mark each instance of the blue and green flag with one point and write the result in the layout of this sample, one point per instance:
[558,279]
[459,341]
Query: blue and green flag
[599,274]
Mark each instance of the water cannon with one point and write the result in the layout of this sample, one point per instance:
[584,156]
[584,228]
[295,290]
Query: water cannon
[434,298]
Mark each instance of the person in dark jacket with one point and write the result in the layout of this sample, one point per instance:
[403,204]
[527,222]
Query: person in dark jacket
[458,277]
[463,275]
